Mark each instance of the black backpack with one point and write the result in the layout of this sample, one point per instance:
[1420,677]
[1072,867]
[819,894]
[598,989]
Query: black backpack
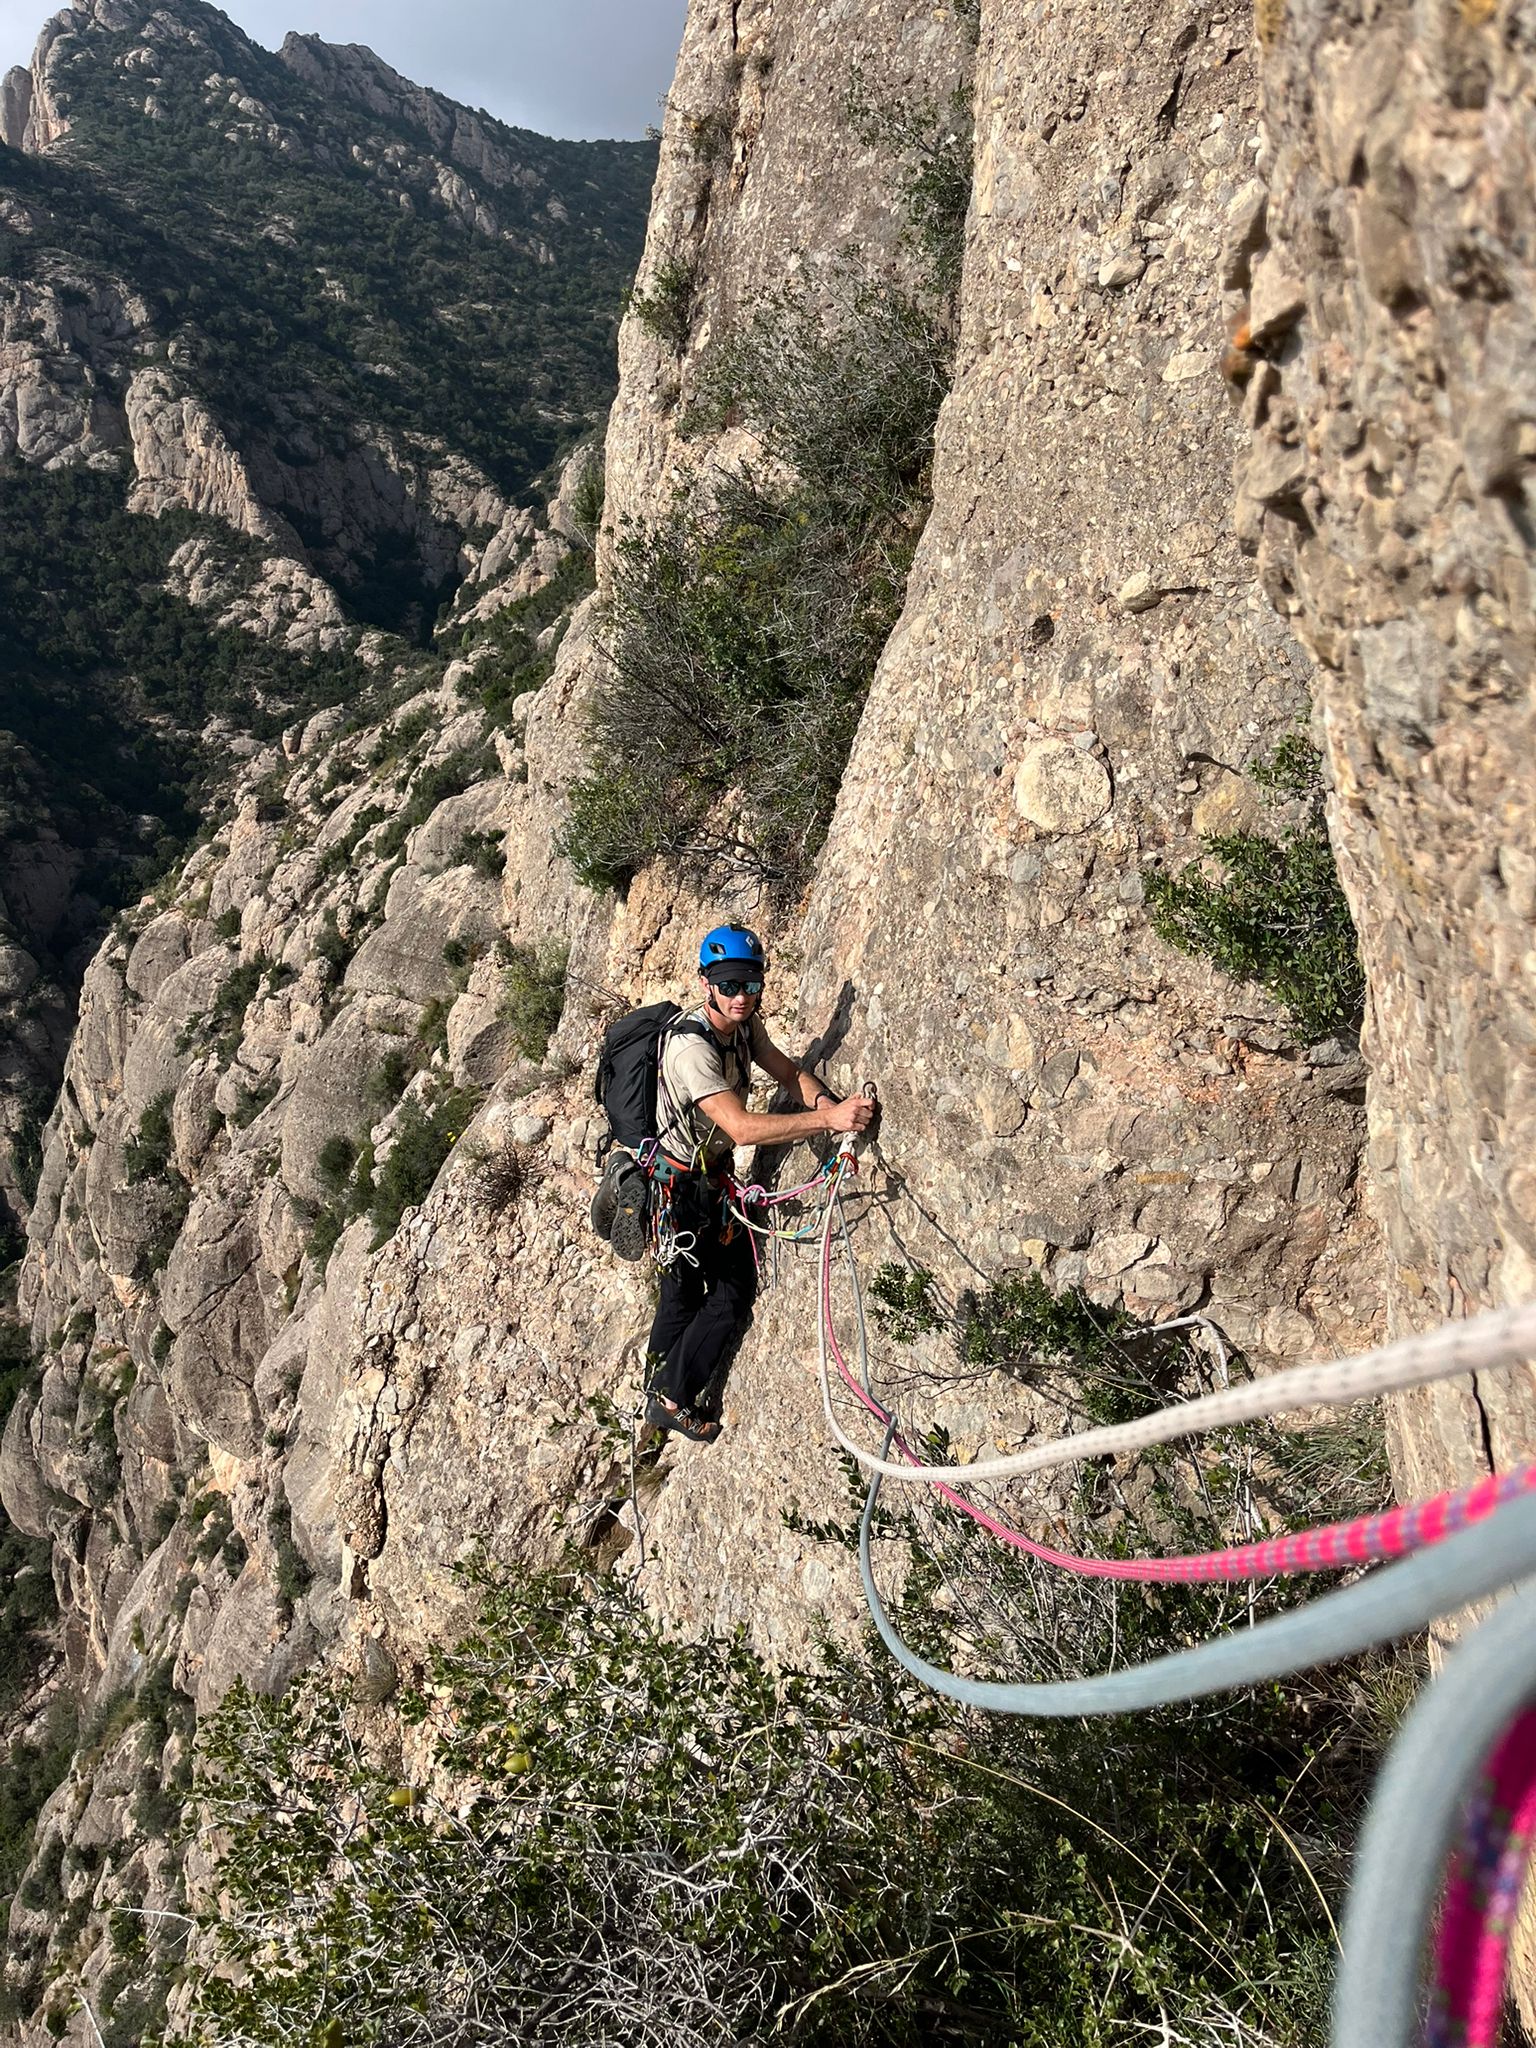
[628,1063]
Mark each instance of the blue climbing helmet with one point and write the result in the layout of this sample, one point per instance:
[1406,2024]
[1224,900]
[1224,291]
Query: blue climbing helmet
[731,945]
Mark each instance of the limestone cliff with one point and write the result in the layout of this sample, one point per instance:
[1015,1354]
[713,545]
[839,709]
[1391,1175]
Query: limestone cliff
[275,1403]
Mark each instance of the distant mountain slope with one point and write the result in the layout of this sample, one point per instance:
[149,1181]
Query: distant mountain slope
[395,310]
[320,337]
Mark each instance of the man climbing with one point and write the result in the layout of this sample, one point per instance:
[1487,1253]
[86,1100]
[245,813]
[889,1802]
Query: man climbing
[702,1114]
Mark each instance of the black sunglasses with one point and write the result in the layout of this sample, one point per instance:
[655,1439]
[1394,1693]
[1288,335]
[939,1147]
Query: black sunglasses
[737,988]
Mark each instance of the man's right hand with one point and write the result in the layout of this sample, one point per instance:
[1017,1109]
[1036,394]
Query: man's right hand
[855,1114]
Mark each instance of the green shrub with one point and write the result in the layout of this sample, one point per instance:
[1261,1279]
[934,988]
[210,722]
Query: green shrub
[533,995]
[43,1891]
[337,857]
[424,1137]
[30,1772]
[1099,1359]
[515,632]
[481,851]
[667,308]
[347,1171]
[432,1026]
[226,926]
[433,786]
[390,1078]
[845,397]
[743,642]
[743,631]
[400,736]
[587,500]
[903,1301]
[213,1517]
[933,146]
[1277,914]
[331,947]
[671,1842]
[252,1101]
[236,994]
[337,1157]
[498,1180]
[27,1141]
[27,1602]
[164,1227]
[1292,768]
[325,1233]
[710,135]
[294,1576]
[148,1152]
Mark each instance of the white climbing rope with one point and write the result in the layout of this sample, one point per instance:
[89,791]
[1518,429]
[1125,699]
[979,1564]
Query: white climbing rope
[1482,1343]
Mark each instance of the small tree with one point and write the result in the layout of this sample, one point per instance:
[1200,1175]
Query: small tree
[1275,912]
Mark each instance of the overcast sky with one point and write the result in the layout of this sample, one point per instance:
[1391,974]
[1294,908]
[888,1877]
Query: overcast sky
[563,67]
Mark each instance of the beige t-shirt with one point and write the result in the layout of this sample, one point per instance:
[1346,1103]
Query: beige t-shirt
[694,1066]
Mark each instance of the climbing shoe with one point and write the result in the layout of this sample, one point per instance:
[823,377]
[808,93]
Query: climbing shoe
[630,1230]
[606,1198]
[661,1413]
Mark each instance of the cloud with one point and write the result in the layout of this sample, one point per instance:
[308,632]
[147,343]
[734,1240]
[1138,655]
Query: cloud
[563,67]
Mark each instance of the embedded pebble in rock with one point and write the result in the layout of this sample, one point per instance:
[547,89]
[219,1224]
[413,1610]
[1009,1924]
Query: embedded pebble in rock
[1276,302]
[1060,789]
[1122,270]
[1139,593]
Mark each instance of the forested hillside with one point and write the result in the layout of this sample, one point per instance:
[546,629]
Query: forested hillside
[290,350]
[311,264]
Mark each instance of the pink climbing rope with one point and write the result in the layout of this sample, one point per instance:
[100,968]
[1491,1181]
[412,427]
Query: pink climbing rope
[1333,1547]
[1482,1897]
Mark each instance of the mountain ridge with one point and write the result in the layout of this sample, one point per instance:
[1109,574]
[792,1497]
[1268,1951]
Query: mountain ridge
[356,366]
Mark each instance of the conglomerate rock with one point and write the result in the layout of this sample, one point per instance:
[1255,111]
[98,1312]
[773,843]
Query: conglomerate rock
[1389,490]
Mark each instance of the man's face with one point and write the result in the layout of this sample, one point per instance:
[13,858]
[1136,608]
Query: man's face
[735,995]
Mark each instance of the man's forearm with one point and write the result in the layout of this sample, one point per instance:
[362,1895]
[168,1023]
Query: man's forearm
[752,1129]
[813,1090]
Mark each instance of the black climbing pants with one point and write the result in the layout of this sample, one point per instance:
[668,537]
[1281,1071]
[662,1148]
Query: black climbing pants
[704,1308]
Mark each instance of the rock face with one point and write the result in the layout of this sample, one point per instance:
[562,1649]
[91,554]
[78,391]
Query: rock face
[1237,437]
[354,485]
[181,457]
[30,117]
[467,140]
[1389,491]
[1084,657]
